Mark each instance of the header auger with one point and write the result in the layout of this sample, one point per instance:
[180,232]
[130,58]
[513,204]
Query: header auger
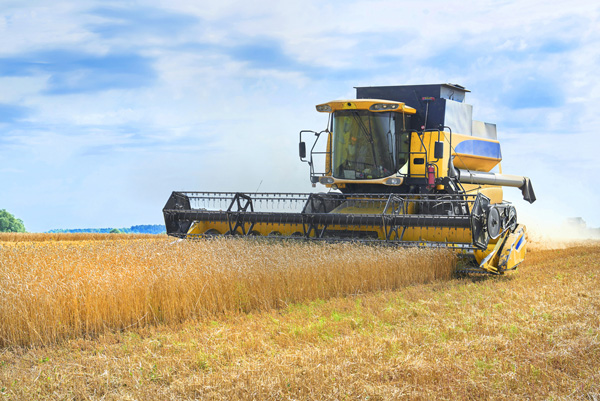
[405,165]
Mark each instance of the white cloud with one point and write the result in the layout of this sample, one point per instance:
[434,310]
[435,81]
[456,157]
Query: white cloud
[40,25]
[212,115]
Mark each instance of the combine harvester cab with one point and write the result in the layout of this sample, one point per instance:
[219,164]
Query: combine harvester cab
[405,165]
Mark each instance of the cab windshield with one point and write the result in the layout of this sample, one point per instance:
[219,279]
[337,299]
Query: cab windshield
[367,145]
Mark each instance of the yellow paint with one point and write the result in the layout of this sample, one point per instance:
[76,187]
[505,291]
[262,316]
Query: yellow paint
[505,253]
[493,192]
[365,104]
[416,234]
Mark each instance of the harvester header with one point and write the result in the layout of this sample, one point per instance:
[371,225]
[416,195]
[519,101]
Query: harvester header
[404,165]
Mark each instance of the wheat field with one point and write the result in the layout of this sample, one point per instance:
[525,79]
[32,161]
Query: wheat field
[119,319]
[53,289]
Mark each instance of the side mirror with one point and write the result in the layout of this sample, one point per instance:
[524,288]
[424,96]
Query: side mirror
[302,150]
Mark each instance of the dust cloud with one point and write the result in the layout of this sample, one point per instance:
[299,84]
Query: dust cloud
[569,232]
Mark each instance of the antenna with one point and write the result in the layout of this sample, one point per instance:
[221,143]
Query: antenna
[427,100]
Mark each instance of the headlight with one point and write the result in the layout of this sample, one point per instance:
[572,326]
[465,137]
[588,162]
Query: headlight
[326,180]
[324,108]
[393,181]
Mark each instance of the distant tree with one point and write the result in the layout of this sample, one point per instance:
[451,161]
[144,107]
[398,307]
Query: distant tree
[141,229]
[115,231]
[10,224]
[148,229]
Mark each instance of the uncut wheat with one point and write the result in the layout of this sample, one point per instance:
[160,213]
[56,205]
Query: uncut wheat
[54,290]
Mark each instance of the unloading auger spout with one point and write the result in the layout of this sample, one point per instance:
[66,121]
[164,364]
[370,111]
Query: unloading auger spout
[404,166]
[505,180]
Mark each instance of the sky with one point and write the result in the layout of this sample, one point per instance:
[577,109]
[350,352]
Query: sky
[108,106]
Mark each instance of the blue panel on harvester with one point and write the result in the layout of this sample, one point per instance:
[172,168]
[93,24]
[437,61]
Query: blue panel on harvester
[479,148]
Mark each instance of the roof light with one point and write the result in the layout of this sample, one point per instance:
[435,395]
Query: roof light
[324,108]
[384,106]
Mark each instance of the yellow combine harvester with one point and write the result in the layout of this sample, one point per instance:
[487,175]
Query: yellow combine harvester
[405,165]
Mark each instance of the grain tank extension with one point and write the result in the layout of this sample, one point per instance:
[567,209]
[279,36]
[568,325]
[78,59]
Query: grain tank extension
[404,165]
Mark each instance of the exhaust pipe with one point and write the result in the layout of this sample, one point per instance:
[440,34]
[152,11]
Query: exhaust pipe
[505,180]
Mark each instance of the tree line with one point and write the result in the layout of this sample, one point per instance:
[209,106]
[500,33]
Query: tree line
[139,229]
[10,224]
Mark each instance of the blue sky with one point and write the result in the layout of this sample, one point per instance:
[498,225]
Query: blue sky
[108,106]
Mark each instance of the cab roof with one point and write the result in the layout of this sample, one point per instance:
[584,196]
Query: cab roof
[375,105]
